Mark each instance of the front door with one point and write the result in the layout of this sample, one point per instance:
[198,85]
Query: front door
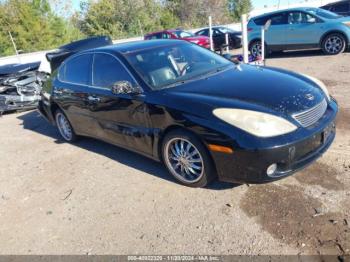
[121,119]
[303,29]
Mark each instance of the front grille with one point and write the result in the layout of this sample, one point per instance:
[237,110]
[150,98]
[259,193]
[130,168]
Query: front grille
[311,116]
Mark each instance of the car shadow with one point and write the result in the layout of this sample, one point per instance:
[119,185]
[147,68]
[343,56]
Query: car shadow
[33,121]
[295,54]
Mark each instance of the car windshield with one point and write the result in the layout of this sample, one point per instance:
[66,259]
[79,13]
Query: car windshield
[182,34]
[164,67]
[323,13]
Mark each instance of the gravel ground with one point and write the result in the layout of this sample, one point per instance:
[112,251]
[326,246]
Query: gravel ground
[94,198]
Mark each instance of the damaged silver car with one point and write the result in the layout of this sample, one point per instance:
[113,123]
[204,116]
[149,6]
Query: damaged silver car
[20,86]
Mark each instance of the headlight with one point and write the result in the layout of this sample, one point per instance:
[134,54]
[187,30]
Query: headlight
[347,23]
[256,123]
[320,84]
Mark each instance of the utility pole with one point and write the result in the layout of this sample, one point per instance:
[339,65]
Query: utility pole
[13,43]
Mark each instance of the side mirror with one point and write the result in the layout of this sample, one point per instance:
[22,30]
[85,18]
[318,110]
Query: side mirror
[125,87]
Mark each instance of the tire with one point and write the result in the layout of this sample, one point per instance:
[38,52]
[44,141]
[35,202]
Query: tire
[187,159]
[255,49]
[64,127]
[334,44]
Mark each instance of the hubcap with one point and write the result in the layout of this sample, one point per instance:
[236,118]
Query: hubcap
[256,50]
[334,44]
[64,127]
[184,160]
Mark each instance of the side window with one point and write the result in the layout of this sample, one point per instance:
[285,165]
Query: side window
[204,32]
[278,19]
[216,32]
[156,36]
[261,20]
[76,70]
[107,70]
[165,36]
[300,18]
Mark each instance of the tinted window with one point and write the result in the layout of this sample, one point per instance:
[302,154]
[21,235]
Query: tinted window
[278,19]
[77,70]
[261,20]
[204,32]
[107,70]
[300,18]
[155,36]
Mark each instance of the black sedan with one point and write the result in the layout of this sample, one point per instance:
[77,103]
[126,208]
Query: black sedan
[200,114]
[219,37]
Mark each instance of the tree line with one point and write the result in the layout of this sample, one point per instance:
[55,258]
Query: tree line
[39,25]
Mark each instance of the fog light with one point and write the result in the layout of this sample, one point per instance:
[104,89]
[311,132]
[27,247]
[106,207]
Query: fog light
[271,169]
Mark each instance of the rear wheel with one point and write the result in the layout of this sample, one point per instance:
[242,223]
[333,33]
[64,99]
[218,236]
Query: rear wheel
[187,159]
[334,44]
[64,127]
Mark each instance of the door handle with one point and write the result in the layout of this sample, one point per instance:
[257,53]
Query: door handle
[94,99]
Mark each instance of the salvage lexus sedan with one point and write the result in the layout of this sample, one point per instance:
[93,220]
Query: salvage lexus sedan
[202,115]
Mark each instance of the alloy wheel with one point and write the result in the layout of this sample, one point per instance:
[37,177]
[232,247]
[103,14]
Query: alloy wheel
[256,49]
[184,160]
[334,44]
[64,127]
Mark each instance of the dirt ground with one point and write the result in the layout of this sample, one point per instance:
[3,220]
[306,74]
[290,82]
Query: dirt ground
[94,198]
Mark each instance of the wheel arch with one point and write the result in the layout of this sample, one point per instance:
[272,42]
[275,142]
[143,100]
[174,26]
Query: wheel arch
[334,32]
[173,128]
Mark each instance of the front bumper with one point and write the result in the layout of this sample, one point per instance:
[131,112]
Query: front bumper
[290,154]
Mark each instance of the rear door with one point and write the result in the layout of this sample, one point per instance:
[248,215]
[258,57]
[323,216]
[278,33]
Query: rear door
[71,92]
[303,29]
[120,119]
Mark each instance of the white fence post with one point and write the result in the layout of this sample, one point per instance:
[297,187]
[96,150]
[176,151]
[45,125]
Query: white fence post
[211,34]
[245,39]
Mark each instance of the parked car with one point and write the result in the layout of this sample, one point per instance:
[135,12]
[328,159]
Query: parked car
[180,34]
[341,8]
[194,110]
[20,86]
[219,37]
[300,28]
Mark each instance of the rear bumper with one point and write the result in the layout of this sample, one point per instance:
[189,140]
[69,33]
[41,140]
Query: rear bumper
[250,165]
[44,109]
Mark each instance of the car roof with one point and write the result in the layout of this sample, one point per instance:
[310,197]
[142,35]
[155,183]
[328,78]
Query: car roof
[285,10]
[137,46]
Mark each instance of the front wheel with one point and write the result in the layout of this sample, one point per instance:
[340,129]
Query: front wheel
[187,159]
[64,127]
[255,49]
[334,44]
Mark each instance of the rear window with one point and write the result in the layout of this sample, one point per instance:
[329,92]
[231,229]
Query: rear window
[76,70]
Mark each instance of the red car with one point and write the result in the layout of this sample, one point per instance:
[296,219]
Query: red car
[180,34]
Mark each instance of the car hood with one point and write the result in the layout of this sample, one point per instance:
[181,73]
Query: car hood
[255,88]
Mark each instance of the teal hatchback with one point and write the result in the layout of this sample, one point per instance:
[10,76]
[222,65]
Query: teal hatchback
[298,29]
